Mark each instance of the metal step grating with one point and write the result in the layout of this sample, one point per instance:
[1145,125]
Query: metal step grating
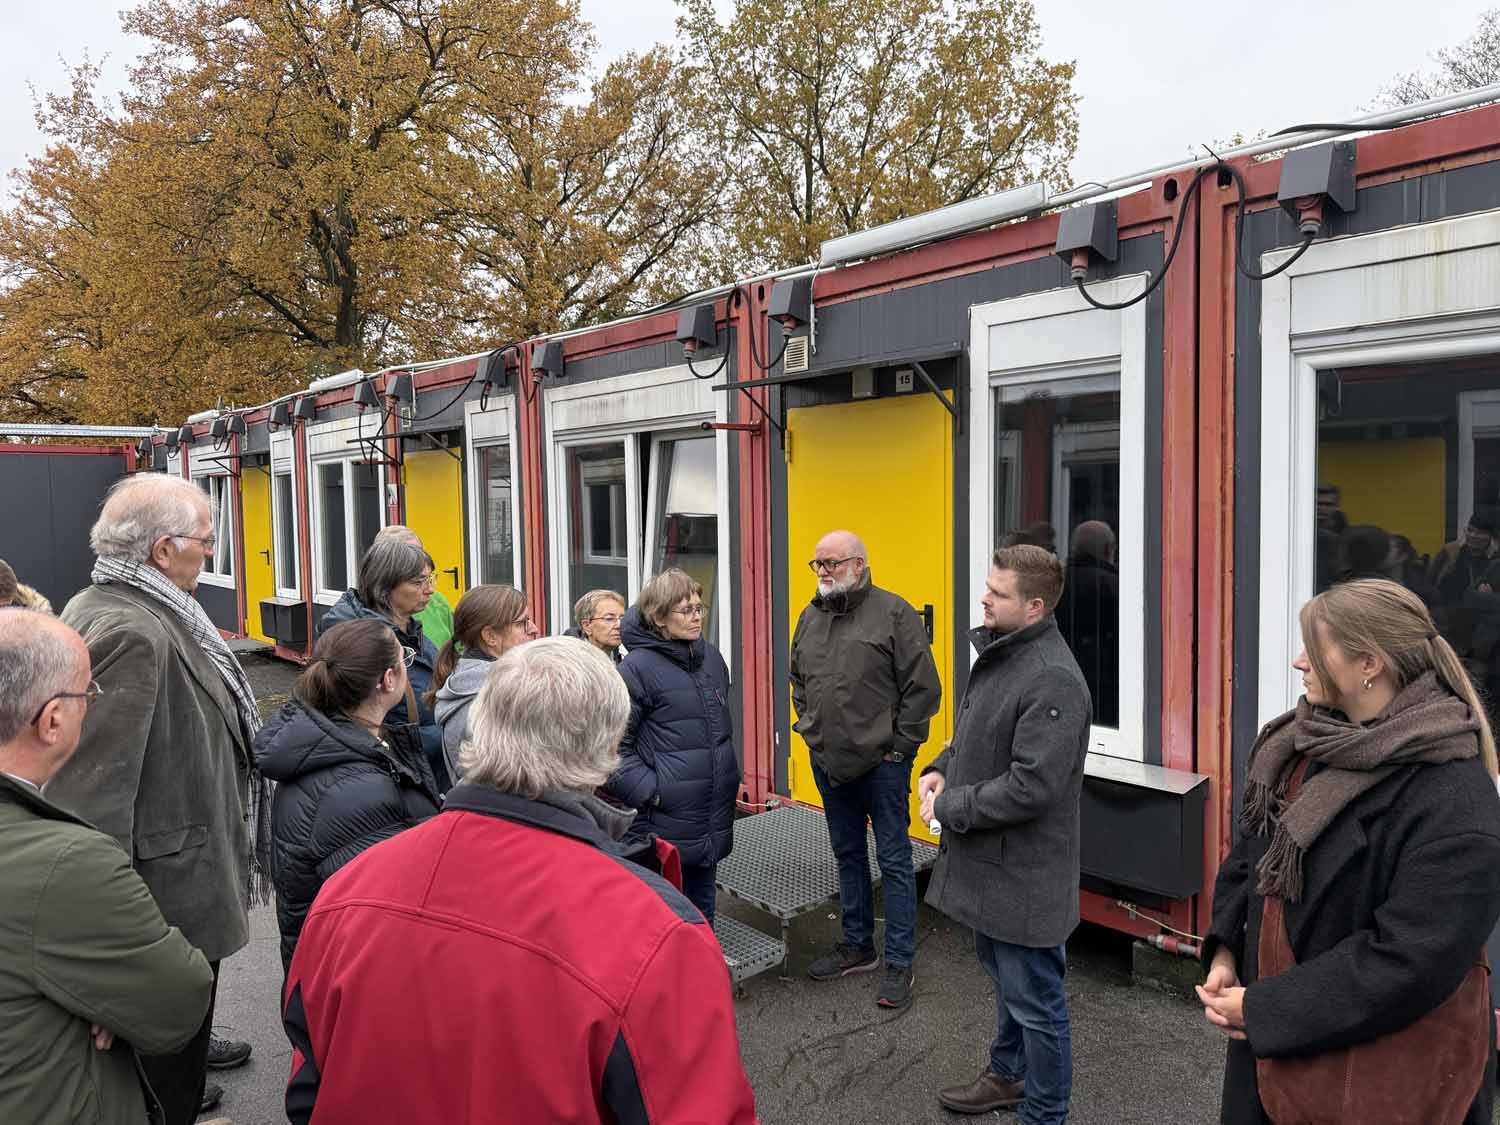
[747,951]
[783,864]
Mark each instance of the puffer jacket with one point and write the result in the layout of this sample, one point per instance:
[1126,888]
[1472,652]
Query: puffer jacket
[419,673]
[338,792]
[452,706]
[678,764]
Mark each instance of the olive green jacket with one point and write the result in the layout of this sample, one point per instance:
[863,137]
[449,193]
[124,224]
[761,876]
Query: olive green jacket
[82,942]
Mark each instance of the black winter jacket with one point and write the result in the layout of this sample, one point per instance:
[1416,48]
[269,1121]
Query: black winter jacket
[677,760]
[338,792]
[1400,893]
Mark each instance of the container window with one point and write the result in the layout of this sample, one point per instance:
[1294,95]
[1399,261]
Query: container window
[498,500]
[598,540]
[283,499]
[684,519]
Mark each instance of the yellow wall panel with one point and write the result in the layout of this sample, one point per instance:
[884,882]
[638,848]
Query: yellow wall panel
[260,575]
[883,469]
[435,511]
[1398,485]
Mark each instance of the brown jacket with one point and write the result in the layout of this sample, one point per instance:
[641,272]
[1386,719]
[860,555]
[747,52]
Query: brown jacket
[163,766]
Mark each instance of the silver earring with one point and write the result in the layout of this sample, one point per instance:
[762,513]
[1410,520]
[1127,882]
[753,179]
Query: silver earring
[1367,685]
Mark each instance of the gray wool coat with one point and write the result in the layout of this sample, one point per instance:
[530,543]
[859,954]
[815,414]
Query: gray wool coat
[1013,774]
[163,765]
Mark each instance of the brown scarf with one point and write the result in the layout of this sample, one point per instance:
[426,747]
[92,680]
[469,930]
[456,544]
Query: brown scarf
[1425,723]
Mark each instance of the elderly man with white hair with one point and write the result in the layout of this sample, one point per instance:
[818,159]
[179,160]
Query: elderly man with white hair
[164,762]
[504,961]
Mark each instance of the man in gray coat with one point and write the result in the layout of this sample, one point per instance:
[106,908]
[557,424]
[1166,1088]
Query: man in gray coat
[1006,793]
[164,762]
[865,688]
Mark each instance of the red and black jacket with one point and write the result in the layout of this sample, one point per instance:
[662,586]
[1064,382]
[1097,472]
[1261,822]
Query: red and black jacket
[504,962]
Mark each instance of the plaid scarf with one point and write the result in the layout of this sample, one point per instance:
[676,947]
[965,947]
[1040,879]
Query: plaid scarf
[189,613]
[1424,724]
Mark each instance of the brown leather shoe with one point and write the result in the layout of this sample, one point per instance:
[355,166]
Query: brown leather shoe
[985,1094]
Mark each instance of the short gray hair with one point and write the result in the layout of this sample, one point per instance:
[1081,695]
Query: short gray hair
[36,663]
[142,509]
[548,718]
[586,608]
[389,562]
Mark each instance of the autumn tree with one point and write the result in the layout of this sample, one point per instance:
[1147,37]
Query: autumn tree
[1471,64]
[291,187]
[836,115]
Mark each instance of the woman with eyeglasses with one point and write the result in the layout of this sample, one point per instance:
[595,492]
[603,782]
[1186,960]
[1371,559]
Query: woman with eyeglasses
[677,761]
[598,616]
[345,779]
[489,622]
[395,581]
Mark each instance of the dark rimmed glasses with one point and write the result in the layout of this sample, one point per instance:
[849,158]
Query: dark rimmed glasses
[88,695]
[828,565]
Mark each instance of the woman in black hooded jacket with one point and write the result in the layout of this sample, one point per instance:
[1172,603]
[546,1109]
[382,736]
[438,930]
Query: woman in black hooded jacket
[344,781]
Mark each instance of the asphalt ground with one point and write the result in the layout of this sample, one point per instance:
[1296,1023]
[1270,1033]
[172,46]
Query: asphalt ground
[824,1052]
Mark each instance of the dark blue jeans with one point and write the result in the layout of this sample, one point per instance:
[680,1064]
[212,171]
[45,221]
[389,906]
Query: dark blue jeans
[882,797]
[698,885]
[1032,1042]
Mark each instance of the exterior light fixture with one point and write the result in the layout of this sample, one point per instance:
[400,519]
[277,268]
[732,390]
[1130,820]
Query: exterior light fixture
[306,408]
[171,439]
[159,458]
[957,218]
[1088,232]
[236,424]
[500,365]
[1311,178]
[281,415]
[696,328]
[365,396]
[791,302]
[220,429]
[185,435]
[547,358]
[399,386]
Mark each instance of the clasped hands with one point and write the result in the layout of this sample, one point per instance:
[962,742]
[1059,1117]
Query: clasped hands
[1223,996]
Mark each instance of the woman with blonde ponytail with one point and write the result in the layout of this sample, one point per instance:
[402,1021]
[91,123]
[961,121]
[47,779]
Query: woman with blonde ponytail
[1346,956]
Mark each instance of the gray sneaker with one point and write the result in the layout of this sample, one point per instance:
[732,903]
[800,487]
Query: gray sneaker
[895,988]
[844,961]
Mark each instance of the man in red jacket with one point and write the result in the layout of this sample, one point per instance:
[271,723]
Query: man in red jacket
[503,961]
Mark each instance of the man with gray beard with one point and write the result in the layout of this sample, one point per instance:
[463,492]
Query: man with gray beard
[865,687]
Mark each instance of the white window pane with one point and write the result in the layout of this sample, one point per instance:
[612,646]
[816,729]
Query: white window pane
[686,518]
[498,520]
[598,542]
[1057,477]
[285,532]
[332,547]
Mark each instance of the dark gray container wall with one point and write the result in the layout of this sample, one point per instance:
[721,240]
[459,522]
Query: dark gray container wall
[889,327]
[51,502]
[222,606]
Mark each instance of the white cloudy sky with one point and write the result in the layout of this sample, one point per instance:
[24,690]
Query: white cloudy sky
[1154,81]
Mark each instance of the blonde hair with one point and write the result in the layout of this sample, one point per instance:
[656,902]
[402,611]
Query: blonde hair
[662,593]
[1377,617]
[587,607]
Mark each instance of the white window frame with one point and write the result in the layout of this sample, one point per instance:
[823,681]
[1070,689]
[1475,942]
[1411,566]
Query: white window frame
[1415,294]
[219,570]
[283,465]
[1057,335]
[485,429]
[327,444]
[667,401]
[1478,417]
[619,496]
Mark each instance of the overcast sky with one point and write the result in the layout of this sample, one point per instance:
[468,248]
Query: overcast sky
[1153,83]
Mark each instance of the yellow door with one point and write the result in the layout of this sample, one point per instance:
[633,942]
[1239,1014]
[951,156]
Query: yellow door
[435,511]
[883,469]
[260,574]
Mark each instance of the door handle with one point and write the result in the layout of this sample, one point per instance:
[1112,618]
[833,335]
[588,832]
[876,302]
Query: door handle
[927,620]
[453,570]
[266,555]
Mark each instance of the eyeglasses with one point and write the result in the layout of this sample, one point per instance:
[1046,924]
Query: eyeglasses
[408,655]
[607,618]
[88,695]
[829,565]
[209,541]
[425,582]
[689,611]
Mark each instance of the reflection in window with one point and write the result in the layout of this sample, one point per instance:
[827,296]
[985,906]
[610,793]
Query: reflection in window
[685,519]
[1408,479]
[333,564]
[367,511]
[598,540]
[284,505]
[498,521]
[221,506]
[1057,477]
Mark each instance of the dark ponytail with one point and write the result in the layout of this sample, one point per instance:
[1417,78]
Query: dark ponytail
[346,665]
[492,604]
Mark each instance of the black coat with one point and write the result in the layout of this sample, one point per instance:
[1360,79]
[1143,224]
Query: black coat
[1400,893]
[338,792]
[677,760]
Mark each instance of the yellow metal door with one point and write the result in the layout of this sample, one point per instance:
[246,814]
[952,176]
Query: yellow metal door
[435,511]
[260,573]
[883,469]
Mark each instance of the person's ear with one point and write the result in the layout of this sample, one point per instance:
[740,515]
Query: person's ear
[161,551]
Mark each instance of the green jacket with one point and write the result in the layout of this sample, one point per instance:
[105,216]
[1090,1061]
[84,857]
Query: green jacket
[864,683]
[82,942]
[437,620]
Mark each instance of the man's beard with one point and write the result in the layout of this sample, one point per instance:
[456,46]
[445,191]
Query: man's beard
[830,586]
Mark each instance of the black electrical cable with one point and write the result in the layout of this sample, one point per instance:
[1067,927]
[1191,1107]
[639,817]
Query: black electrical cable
[462,390]
[1340,127]
[484,394]
[1187,197]
[1239,234]
[737,295]
[698,375]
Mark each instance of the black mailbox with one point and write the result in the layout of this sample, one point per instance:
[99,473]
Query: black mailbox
[286,620]
[1142,827]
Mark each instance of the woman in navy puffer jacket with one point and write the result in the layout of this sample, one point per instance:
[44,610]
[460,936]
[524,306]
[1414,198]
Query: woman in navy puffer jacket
[677,760]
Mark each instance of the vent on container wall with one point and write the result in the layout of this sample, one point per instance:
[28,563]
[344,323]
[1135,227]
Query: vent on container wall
[796,355]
